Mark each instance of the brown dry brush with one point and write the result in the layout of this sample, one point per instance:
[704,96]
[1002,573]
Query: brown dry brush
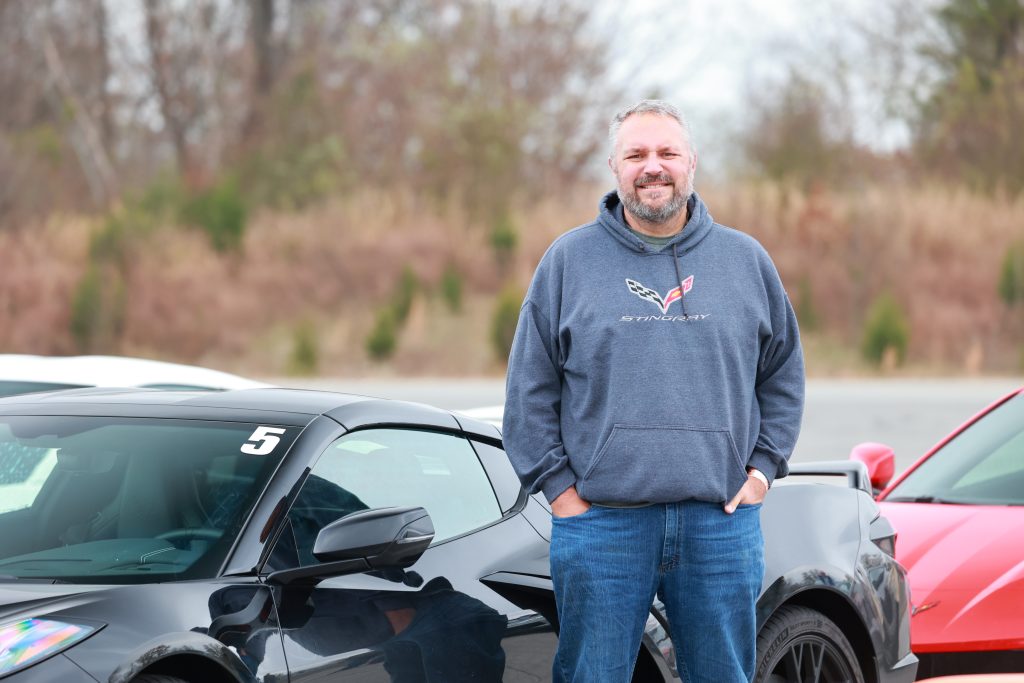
[39,270]
[937,251]
[186,300]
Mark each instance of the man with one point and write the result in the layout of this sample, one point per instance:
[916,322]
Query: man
[655,389]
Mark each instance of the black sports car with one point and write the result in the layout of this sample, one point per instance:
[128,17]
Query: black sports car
[280,535]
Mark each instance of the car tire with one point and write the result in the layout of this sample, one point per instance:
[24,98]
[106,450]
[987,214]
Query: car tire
[801,645]
[157,678]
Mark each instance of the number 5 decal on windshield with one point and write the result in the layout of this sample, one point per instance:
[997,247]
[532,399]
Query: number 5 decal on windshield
[263,441]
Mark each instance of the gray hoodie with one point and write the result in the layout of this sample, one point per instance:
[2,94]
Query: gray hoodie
[644,376]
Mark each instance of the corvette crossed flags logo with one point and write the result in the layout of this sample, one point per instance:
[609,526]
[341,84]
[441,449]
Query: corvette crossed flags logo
[648,294]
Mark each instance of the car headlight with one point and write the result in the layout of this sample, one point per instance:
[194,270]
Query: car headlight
[26,642]
[883,535]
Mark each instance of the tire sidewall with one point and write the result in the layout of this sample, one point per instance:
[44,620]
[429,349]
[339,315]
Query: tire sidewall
[792,623]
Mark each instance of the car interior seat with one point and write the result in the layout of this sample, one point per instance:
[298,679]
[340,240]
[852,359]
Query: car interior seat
[83,483]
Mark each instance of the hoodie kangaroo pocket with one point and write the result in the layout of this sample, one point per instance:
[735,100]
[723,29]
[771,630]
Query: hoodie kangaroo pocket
[664,464]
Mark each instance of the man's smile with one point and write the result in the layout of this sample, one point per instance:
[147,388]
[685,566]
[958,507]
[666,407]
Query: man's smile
[654,191]
[653,183]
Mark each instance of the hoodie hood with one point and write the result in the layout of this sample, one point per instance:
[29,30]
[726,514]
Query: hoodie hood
[693,233]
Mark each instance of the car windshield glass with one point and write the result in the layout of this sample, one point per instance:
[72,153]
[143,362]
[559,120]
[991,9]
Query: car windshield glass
[101,499]
[984,465]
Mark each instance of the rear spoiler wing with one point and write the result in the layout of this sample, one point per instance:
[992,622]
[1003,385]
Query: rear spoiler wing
[856,472]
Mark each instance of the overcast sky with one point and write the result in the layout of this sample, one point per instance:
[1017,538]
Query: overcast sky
[714,58]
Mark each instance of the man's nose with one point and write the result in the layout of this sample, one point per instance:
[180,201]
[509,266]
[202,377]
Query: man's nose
[652,164]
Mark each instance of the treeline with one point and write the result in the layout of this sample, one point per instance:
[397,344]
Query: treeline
[285,102]
[949,75]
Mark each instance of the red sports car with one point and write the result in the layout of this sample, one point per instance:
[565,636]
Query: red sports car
[959,518]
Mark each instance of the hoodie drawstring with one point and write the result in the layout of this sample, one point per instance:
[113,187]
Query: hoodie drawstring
[679,278]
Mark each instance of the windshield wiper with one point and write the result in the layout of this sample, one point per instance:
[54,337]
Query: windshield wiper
[31,579]
[923,499]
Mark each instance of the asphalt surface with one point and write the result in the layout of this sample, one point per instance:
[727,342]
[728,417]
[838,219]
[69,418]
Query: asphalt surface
[910,415]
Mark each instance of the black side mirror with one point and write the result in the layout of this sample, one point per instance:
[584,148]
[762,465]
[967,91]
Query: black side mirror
[382,538]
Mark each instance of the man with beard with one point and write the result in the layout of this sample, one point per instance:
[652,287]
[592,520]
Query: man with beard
[655,389]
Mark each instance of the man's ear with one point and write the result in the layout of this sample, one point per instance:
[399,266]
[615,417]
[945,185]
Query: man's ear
[611,164]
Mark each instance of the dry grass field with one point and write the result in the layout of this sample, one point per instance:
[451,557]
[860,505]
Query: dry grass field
[330,269]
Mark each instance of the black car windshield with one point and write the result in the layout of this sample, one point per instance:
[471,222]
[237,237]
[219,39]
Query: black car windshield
[982,466]
[103,499]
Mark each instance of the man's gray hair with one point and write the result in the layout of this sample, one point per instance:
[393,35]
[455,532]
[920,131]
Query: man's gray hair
[656,107]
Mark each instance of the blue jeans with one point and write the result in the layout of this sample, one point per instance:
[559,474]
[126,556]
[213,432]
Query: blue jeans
[607,565]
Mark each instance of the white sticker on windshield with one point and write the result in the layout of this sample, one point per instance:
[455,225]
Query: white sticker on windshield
[263,441]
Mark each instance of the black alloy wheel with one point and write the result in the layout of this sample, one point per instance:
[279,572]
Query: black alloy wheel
[801,645]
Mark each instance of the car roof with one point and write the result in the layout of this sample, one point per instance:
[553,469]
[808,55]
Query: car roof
[115,371]
[272,405]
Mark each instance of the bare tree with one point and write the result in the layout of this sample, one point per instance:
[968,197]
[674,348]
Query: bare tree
[177,106]
[193,55]
[88,143]
[261,36]
[477,99]
[103,72]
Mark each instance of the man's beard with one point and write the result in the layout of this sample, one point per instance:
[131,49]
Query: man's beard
[667,211]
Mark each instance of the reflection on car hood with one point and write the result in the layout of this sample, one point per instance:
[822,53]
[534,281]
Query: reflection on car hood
[966,574]
[31,599]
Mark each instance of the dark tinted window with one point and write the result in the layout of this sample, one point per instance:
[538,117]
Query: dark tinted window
[94,499]
[499,469]
[377,468]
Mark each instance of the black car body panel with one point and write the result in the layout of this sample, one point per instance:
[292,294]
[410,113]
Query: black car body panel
[832,567]
[377,412]
[476,605]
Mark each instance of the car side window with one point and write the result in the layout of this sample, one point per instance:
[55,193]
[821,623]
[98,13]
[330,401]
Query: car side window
[503,477]
[376,468]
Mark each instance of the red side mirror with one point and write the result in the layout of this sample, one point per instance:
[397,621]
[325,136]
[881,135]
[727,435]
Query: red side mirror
[880,460]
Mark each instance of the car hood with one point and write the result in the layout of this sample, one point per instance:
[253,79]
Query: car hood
[966,573]
[18,599]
